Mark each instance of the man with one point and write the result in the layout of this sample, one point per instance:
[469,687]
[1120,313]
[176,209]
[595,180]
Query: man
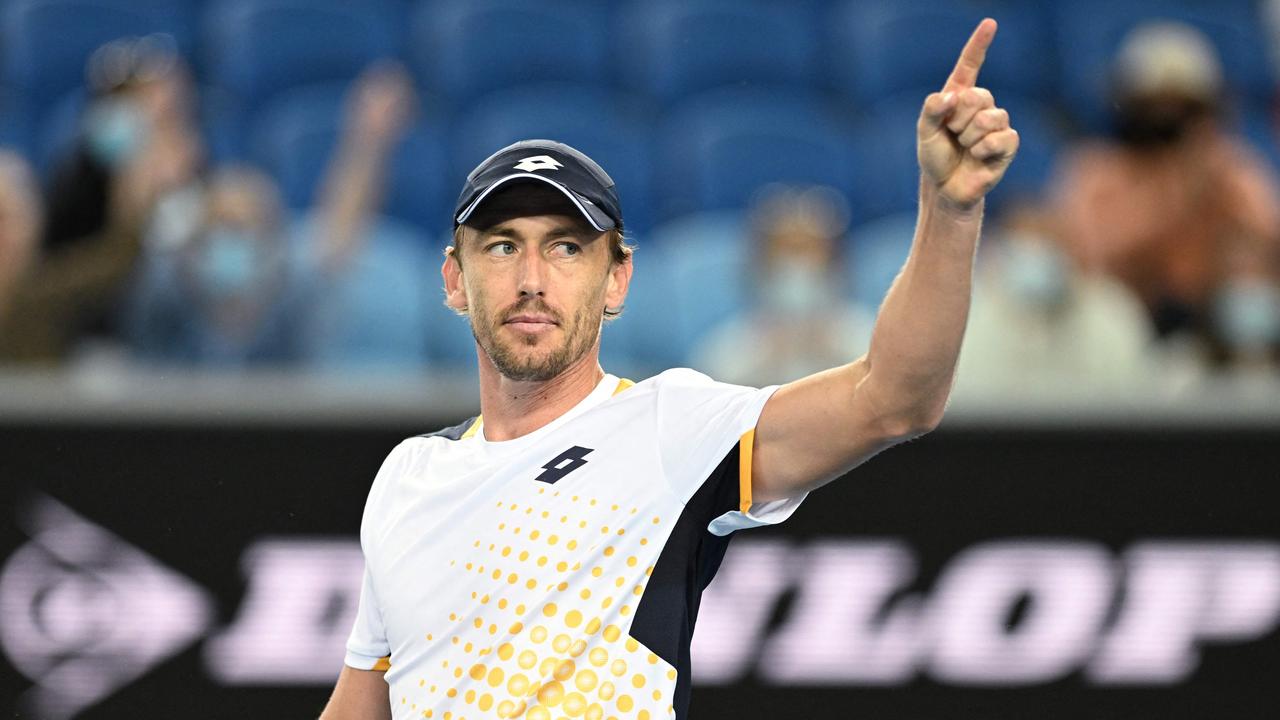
[548,556]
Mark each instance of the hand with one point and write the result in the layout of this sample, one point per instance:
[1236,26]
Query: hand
[963,141]
[382,102]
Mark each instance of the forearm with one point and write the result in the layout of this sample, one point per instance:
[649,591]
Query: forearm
[917,337]
[351,192]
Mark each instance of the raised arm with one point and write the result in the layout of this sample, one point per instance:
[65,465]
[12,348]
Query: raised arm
[817,428]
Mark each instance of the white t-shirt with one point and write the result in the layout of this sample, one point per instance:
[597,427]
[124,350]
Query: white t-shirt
[558,573]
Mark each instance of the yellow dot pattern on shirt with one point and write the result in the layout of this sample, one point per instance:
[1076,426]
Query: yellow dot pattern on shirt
[553,660]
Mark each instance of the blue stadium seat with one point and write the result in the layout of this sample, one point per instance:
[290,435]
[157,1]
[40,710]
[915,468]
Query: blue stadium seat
[1090,32]
[373,315]
[15,124]
[696,272]
[717,149]
[612,128]
[258,48]
[44,44]
[876,48]
[1042,131]
[58,129]
[462,49]
[672,48]
[295,136]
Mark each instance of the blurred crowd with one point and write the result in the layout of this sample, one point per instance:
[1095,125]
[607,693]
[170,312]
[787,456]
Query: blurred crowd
[1151,255]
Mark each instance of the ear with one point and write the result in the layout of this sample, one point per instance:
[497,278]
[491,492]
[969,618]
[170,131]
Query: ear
[455,293]
[619,282]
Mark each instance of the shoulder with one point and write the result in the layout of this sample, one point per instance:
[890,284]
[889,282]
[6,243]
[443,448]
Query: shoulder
[453,432]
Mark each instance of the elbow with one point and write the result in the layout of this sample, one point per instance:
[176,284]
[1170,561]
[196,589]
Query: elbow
[912,423]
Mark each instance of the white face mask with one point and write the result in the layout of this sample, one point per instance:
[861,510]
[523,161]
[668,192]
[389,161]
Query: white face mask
[1035,273]
[796,288]
[229,263]
[115,130]
[1247,314]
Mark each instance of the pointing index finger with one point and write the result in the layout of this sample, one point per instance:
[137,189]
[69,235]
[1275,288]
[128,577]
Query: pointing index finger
[965,74]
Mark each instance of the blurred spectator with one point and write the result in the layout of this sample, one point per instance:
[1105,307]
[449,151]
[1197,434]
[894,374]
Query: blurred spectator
[1037,322]
[47,298]
[138,120]
[1159,207]
[234,288]
[136,144]
[799,322]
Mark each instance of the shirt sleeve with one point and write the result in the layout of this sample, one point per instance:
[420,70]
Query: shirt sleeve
[367,647]
[700,423]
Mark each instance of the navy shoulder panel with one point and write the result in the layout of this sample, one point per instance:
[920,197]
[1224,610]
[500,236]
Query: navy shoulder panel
[452,433]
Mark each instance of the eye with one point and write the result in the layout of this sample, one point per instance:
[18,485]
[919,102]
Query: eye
[503,248]
[567,249]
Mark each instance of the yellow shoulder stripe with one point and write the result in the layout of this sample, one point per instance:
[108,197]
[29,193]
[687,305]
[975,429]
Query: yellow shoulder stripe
[475,428]
[383,664]
[623,384]
[745,444]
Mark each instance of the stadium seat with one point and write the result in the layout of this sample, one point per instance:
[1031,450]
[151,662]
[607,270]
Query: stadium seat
[462,49]
[258,48]
[876,48]
[717,149]
[373,315]
[672,48]
[44,44]
[15,124]
[612,128]
[295,136]
[58,129]
[1091,31]
[696,272]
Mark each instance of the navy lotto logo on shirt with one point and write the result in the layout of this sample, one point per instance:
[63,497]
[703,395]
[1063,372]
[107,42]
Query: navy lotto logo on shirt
[563,464]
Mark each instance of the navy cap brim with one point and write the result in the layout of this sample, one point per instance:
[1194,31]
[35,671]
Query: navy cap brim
[598,218]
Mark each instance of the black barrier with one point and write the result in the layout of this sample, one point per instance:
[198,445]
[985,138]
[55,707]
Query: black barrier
[211,572]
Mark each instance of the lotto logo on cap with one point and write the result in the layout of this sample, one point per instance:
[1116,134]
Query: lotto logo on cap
[577,176]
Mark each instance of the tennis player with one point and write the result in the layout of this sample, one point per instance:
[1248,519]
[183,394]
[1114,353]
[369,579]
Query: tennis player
[546,558]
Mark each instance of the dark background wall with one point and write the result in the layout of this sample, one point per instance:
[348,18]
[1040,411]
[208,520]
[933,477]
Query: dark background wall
[209,503]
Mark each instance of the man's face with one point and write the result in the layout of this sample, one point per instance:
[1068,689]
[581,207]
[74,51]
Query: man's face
[535,288]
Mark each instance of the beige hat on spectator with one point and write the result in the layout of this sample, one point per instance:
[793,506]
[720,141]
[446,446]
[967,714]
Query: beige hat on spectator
[1168,57]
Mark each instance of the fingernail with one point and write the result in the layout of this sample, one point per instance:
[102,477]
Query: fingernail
[947,97]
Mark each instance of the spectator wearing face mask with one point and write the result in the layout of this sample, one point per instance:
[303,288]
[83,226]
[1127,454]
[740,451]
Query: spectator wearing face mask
[237,287]
[1157,206]
[799,321]
[49,297]
[1038,324]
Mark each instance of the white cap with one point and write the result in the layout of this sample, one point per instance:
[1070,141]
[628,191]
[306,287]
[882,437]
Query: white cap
[1168,56]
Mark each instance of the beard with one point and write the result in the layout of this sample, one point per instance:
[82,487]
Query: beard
[532,365]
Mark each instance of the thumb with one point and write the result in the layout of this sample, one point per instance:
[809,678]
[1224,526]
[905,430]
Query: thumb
[937,108]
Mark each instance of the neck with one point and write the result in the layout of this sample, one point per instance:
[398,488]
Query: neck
[512,408]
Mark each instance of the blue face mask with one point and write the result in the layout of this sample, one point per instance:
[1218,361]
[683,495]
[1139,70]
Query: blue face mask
[1036,274]
[1248,315]
[228,262]
[796,289]
[115,130]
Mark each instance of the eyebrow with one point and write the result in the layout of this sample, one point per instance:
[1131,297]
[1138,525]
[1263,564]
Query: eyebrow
[560,231]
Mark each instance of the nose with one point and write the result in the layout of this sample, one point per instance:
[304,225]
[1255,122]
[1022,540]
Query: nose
[532,275]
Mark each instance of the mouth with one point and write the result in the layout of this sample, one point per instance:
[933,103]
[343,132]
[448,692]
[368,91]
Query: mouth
[531,323]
